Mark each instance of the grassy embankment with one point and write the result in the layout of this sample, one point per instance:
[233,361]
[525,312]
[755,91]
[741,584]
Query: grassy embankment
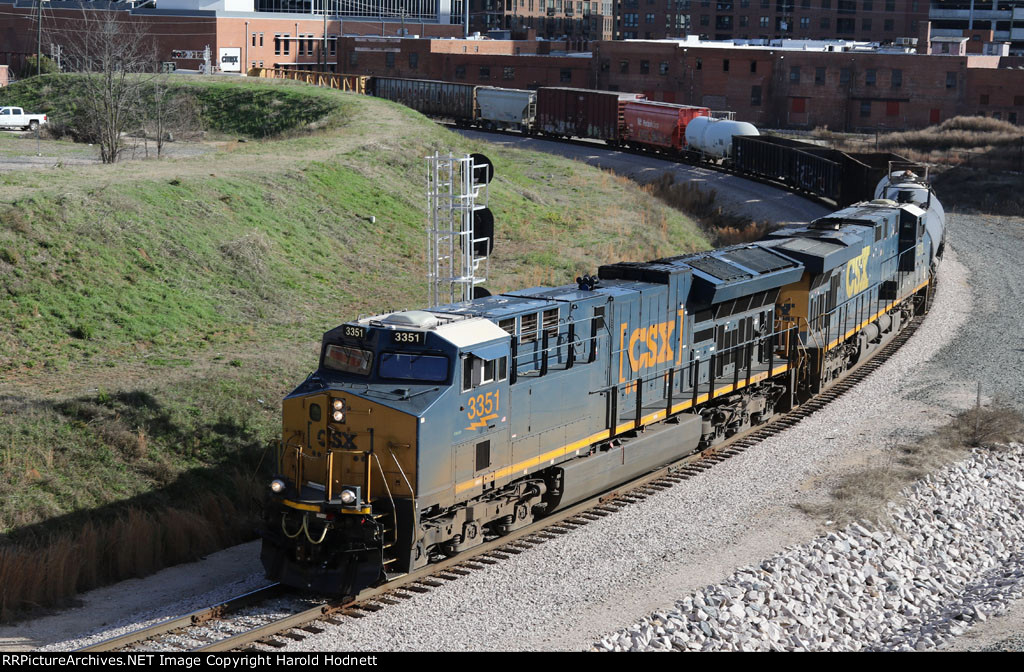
[977,162]
[155,312]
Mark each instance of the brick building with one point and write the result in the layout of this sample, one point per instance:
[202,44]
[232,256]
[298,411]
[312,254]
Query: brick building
[807,88]
[256,32]
[870,20]
[1004,18]
[551,19]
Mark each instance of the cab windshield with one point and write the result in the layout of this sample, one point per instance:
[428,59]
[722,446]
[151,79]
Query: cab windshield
[348,359]
[413,366]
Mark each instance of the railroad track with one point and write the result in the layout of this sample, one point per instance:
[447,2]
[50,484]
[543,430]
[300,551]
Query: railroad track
[216,628]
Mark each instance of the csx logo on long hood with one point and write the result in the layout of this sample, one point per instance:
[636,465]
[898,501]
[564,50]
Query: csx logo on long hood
[857,279]
[647,346]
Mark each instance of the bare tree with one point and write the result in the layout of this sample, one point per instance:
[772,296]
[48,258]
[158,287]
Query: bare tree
[118,60]
[172,114]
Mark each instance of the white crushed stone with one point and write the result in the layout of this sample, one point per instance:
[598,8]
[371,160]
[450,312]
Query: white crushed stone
[950,558]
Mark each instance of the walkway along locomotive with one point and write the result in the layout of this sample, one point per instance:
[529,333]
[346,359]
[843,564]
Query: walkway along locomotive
[421,432]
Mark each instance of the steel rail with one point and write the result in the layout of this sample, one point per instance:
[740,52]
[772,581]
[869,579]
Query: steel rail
[197,617]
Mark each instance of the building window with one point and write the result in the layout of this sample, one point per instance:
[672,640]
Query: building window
[826,4]
[950,80]
[844,75]
[890,5]
[389,59]
[794,74]
[764,22]
[460,72]
[663,68]
[277,44]
[888,25]
[565,75]
[261,39]
[824,23]
[869,5]
[897,79]
[705,20]
[509,72]
[645,67]
[869,77]
[865,108]
[254,39]
[819,76]
[623,67]
[700,63]
[984,99]
[485,73]
[753,66]
[725,65]
[865,24]
[805,22]
[755,96]
[649,17]
[744,21]
[414,60]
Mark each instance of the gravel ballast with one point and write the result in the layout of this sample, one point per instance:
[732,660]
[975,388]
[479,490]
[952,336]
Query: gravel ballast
[951,557]
[572,591]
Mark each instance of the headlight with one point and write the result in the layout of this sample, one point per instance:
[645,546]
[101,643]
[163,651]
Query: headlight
[348,497]
[339,416]
[339,404]
[277,486]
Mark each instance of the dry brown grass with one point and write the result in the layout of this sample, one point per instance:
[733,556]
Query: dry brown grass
[722,228]
[866,493]
[47,572]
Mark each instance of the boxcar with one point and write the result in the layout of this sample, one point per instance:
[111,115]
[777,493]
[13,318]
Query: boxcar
[439,99]
[581,112]
[506,108]
[655,124]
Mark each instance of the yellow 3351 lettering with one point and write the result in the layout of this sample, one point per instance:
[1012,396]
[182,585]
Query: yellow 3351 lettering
[481,408]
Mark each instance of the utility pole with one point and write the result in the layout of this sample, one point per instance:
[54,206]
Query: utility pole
[324,49]
[39,40]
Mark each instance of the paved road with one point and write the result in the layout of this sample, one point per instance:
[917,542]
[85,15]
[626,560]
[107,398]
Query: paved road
[750,199]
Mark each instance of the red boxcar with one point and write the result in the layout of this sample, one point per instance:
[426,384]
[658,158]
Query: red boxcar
[657,124]
[581,112]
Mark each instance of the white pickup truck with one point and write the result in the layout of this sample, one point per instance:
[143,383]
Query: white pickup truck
[15,117]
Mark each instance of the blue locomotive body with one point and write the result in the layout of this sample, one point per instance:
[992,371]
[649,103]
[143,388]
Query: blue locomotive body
[469,420]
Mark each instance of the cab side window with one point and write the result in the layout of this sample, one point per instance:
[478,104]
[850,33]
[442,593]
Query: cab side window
[477,372]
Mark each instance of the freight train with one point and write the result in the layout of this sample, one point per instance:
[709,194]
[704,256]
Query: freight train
[682,132]
[424,432]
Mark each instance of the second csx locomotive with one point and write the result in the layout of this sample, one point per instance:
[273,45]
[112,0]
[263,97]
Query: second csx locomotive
[423,432]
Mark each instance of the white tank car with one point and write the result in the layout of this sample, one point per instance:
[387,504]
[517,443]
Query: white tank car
[905,186]
[714,136]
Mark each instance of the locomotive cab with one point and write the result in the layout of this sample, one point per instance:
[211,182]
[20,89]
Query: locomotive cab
[367,436]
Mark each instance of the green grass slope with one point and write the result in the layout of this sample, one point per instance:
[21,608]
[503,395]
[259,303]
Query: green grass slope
[155,312]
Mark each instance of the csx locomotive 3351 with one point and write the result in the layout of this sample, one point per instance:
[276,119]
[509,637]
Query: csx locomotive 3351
[423,432]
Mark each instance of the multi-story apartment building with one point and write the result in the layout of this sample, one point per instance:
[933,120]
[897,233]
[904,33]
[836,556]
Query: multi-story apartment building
[550,19]
[1005,18]
[873,20]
